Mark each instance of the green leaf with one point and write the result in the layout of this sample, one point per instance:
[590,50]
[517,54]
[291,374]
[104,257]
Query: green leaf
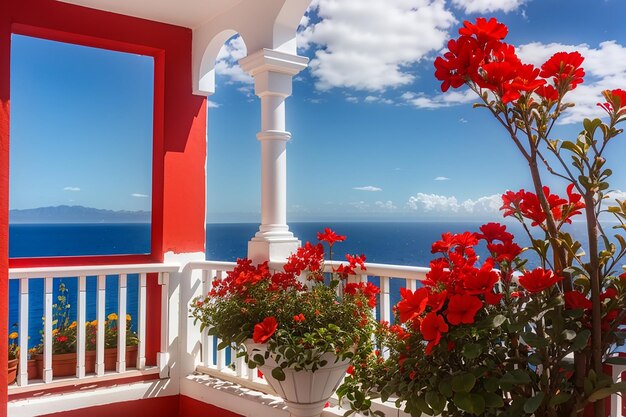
[532,339]
[568,334]
[605,392]
[493,400]
[278,373]
[535,359]
[436,401]
[472,403]
[463,382]
[259,359]
[490,384]
[532,404]
[223,345]
[559,398]
[445,388]
[580,341]
[472,350]
[617,360]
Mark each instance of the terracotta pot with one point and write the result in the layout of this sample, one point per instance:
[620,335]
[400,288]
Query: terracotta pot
[305,392]
[64,364]
[33,371]
[12,367]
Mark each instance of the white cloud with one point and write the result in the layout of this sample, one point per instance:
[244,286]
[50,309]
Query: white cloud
[367,188]
[488,6]
[375,99]
[352,99]
[451,98]
[139,195]
[615,195]
[354,39]
[441,178]
[462,120]
[213,105]
[227,61]
[385,205]
[71,189]
[605,68]
[440,204]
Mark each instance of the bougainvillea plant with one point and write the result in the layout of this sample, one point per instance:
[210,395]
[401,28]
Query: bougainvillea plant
[299,312]
[497,338]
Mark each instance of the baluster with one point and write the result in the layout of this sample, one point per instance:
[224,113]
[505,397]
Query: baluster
[80,326]
[100,316]
[385,307]
[163,355]
[47,348]
[141,323]
[207,341]
[121,324]
[22,379]
[411,284]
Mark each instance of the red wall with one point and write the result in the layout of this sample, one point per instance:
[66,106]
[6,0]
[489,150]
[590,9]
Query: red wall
[179,149]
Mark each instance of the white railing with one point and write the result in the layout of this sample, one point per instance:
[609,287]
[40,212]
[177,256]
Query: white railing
[48,274]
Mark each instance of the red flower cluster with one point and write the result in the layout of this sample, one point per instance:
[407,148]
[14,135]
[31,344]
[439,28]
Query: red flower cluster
[575,300]
[526,204]
[538,280]
[616,102]
[240,279]
[368,289]
[264,330]
[480,57]
[455,290]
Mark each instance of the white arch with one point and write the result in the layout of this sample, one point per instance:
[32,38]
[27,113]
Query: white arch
[206,74]
[286,25]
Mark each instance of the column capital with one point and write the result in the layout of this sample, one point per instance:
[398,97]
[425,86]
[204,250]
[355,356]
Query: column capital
[270,60]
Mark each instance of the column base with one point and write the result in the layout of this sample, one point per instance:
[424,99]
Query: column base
[275,248]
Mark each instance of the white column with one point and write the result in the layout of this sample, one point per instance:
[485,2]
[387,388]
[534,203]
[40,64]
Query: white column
[273,71]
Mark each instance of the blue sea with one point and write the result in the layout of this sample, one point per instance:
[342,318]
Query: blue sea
[383,242]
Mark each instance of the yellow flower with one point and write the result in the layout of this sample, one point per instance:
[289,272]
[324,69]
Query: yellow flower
[13,336]
[55,331]
[94,323]
[112,316]
[73,325]
[128,318]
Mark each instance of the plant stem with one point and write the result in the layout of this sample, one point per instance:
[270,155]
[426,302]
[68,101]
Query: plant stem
[596,310]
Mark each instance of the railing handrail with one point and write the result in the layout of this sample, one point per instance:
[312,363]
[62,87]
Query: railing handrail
[91,270]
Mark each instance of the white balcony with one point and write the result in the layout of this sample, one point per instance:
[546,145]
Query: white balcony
[187,364]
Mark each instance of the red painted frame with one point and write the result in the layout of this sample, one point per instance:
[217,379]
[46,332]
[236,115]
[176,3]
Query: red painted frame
[179,131]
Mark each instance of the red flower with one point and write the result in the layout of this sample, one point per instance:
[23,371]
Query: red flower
[464,240]
[356,260]
[463,309]
[459,64]
[493,299]
[264,330]
[616,102]
[547,92]
[437,299]
[431,328]
[306,257]
[610,293]
[61,339]
[527,78]
[497,77]
[481,280]
[564,68]
[484,30]
[538,280]
[443,245]
[412,304]
[506,251]
[494,231]
[574,300]
[299,318]
[329,236]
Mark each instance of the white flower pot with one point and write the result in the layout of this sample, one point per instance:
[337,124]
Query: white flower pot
[304,392]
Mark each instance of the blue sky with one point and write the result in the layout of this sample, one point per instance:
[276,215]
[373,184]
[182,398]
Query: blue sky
[373,137]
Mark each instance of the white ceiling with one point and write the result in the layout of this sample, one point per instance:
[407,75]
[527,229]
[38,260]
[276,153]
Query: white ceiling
[187,13]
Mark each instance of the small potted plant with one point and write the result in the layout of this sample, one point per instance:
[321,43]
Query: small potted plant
[64,336]
[300,326]
[14,356]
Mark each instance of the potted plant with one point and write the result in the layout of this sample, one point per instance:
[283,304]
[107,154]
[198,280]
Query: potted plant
[301,327]
[14,356]
[499,338]
[64,335]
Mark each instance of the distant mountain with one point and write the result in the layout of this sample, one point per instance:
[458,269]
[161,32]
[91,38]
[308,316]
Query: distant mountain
[77,214]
